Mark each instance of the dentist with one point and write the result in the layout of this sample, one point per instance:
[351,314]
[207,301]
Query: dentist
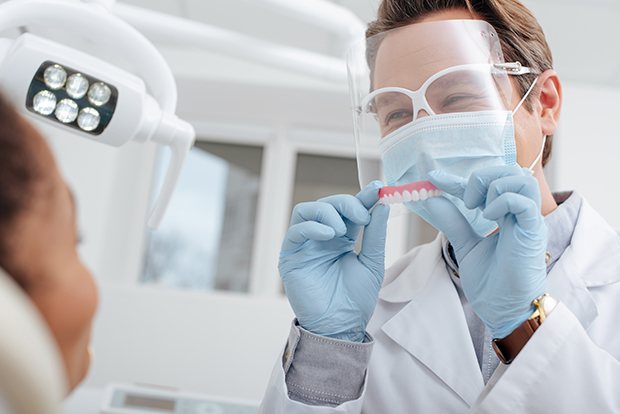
[514,306]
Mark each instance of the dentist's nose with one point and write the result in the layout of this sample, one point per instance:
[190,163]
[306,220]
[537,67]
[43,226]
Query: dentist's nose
[421,113]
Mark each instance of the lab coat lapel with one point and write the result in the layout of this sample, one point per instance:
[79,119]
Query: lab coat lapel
[592,259]
[433,329]
[566,285]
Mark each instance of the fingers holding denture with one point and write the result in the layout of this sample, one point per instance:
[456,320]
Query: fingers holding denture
[486,184]
[491,178]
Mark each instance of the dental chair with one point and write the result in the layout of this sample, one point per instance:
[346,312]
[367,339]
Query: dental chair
[32,379]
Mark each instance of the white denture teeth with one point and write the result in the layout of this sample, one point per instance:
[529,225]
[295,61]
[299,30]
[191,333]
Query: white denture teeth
[423,194]
[409,196]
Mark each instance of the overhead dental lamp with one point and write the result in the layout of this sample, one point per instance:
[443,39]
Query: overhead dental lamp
[88,94]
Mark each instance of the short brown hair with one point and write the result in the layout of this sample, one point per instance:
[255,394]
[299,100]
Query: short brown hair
[521,37]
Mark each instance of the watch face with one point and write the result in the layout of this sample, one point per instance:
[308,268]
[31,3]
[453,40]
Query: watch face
[548,303]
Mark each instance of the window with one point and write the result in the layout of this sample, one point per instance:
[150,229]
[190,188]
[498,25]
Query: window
[319,176]
[206,238]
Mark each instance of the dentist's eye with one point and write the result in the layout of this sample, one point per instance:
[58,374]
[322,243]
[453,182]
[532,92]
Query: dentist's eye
[396,119]
[456,99]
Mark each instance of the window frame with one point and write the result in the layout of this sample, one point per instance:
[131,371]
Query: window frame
[281,148]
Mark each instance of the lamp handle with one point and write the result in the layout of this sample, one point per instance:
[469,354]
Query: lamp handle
[179,136]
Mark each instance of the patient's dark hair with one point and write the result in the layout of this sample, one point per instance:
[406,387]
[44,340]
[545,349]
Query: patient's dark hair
[20,171]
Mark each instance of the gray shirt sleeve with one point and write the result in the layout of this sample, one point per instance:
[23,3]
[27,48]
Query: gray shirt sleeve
[324,371]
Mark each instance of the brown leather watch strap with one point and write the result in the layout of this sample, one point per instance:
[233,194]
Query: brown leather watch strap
[509,347]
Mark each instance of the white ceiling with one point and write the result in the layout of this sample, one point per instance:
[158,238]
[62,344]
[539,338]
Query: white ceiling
[583,35]
[248,17]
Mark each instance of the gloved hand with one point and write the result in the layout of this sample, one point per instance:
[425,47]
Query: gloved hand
[500,274]
[332,290]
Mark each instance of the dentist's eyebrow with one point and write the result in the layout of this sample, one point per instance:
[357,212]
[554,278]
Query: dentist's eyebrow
[389,98]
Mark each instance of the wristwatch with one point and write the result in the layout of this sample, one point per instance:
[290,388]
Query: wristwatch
[509,347]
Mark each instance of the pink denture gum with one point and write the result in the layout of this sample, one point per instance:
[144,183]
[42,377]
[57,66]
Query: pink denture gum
[418,191]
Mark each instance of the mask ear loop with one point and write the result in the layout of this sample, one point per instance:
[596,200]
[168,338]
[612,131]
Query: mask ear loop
[539,156]
[525,96]
[542,148]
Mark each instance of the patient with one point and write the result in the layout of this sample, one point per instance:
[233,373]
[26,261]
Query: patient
[38,240]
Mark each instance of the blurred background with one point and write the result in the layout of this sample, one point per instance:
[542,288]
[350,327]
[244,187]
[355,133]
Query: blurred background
[198,303]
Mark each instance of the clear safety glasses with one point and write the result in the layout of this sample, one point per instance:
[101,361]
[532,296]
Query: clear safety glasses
[462,88]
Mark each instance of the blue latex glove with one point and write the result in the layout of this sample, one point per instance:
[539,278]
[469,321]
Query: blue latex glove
[332,290]
[500,274]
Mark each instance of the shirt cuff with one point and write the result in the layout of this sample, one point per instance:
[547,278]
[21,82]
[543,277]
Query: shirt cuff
[324,371]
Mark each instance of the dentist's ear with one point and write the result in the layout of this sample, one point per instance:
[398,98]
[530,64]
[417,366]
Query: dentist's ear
[549,105]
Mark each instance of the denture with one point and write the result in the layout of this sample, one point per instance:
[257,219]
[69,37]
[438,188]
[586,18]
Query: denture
[418,191]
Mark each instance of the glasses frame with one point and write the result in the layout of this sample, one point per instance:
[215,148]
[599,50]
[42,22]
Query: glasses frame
[419,95]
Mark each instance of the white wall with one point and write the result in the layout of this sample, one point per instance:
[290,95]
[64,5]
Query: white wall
[219,344]
[587,147]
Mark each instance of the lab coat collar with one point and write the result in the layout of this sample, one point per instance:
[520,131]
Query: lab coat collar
[594,249]
[432,326]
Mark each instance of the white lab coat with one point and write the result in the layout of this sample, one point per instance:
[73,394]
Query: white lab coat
[423,359]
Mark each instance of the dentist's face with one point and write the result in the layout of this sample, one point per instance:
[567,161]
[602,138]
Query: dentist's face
[43,258]
[406,60]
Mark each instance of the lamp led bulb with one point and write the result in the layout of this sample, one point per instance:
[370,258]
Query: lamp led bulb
[77,86]
[88,119]
[66,111]
[55,77]
[99,94]
[44,102]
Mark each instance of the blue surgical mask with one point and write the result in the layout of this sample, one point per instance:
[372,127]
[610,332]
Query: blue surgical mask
[457,143]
